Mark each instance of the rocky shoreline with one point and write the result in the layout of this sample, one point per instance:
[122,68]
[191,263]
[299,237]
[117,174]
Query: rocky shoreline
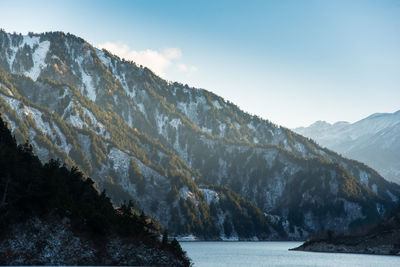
[384,243]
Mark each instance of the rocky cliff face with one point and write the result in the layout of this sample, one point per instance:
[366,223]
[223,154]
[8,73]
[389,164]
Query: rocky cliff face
[163,143]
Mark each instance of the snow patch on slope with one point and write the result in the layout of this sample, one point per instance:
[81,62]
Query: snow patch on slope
[26,111]
[364,178]
[39,54]
[105,60]
[87,80]
[149,172]
[14,103]
[120,160]
[38,58]
[190,109]
[175,123]
[210,195]
[64,145]
[161,121]
[72,117]
[131,92]
[217,104]
[141,108]
[75,120]
[37,117]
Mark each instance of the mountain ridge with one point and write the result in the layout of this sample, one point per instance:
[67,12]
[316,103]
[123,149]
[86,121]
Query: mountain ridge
[373,140]
[164,143]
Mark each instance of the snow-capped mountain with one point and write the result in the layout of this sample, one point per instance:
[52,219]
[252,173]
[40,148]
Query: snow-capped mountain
[374,140]
[191,159]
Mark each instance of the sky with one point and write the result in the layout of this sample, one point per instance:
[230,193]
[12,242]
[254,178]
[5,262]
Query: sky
[291,62]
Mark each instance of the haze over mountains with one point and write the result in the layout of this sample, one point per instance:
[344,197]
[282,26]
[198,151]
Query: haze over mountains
[188,157]
[374,140]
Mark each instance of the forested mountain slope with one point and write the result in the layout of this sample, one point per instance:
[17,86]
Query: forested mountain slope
[50,215]
[178,150]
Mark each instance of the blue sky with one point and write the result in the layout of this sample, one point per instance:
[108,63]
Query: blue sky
[292,62]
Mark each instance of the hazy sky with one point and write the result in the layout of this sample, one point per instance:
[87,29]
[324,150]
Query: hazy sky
[292,62]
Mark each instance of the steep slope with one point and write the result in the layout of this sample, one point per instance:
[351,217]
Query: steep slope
[126,163]
[180,141]
[374,140]
[53,216]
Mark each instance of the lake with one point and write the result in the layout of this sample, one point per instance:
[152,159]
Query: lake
[275,254]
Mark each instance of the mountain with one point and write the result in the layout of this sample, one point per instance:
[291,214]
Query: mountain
[374,140]
[50,215]
[189,158]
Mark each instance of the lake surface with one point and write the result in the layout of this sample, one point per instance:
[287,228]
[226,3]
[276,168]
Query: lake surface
[275,254]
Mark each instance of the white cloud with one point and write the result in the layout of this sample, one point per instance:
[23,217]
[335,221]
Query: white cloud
[172,53]
[157,61]
[182,67]
[185,68]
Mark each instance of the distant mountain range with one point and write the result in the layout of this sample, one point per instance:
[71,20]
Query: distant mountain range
[374,140]
[189,158]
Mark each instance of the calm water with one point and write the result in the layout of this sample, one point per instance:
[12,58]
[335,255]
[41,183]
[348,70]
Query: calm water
[275,254]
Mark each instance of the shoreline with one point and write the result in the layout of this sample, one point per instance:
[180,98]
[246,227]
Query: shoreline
[238,241]
[344,252]
[196,239]
[327,247]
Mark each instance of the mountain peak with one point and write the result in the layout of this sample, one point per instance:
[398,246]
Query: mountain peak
[395,114]
[320,123]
